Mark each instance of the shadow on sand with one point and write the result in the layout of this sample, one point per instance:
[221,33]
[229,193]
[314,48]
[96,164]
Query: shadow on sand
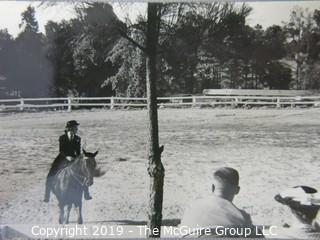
[165,222]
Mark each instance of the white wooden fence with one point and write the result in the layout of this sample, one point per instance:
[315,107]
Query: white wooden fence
[114,102]
[259,92]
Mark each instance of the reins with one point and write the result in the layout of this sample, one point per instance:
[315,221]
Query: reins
[82,180]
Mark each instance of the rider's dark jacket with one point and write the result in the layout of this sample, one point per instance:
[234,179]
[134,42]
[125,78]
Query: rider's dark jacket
[69,147]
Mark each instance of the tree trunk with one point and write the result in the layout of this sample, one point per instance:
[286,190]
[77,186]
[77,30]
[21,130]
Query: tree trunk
[155,169]
[298,75]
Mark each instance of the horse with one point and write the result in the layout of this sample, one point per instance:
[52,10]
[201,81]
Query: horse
[69,182]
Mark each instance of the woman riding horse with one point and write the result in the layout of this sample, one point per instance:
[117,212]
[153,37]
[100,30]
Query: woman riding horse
[69,149]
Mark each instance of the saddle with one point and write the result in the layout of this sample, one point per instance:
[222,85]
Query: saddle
[59,163]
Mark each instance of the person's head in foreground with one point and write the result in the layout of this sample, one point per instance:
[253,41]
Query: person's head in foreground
[217,208]
[304,203]
[226,183]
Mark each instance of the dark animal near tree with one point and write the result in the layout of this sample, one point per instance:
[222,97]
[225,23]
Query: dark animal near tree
[69,182]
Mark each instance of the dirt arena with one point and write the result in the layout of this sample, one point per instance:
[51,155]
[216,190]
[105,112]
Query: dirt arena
[272,149]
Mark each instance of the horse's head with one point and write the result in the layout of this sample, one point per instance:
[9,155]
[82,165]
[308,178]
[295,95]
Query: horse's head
[90,165]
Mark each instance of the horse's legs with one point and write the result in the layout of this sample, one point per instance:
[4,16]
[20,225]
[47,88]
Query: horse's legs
[68,213]
[61,214]
[79,210]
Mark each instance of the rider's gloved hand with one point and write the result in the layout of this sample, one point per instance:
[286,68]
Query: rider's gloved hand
[69,158]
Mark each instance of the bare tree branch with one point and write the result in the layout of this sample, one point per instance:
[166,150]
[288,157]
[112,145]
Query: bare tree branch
[131,40]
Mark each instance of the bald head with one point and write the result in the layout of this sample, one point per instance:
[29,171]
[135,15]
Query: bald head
[226,183]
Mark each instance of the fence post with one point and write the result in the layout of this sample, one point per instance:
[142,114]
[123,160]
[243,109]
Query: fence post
[111,102]
[21,104]
[278,102]
[236,102]
[69,104]
[194,101]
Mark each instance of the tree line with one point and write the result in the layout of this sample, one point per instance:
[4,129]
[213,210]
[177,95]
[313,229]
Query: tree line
[203,45]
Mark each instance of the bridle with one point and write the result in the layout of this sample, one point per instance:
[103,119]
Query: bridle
[82,180]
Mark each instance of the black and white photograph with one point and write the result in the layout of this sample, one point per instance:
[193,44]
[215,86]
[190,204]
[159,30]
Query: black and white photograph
[159,119]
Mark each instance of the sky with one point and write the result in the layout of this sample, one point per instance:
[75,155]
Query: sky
[264,13]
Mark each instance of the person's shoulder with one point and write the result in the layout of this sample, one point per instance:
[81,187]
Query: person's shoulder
[203,202]
[77,138]
[63,137]
[200,200]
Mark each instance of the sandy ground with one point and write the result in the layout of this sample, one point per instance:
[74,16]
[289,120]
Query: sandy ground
[272,149]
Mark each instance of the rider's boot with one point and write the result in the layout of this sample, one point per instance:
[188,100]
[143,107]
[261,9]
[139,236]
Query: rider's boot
[48,190]
[86,193]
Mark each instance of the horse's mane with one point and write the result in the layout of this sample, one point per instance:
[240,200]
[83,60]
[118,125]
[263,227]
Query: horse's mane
[82,157]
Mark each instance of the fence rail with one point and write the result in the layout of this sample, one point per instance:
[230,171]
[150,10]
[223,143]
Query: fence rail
[112,102]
